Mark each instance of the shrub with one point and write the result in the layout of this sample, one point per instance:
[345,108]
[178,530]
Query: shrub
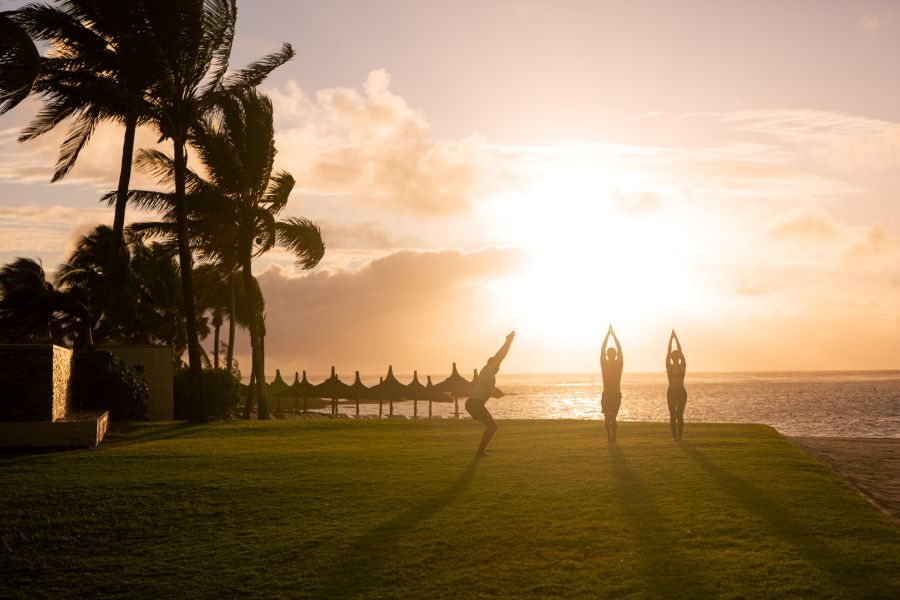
[221,392]
[101,381]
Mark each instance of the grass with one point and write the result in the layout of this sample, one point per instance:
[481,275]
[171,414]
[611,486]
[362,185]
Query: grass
[399,509]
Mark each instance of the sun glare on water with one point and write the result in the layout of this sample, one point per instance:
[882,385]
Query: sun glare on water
[600,249]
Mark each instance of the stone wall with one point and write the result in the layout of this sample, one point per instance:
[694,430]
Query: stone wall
[159,373]
[34,382]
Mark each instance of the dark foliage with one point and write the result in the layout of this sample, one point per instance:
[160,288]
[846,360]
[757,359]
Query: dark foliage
[100,381]
[221,390]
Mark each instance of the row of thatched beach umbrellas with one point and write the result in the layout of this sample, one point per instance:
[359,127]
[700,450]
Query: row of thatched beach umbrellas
[388,389]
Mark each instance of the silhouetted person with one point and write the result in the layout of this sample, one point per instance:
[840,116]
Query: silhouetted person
[487,379]
[676,396]
[611,368]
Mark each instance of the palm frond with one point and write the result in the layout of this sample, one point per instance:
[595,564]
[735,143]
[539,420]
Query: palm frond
[78,136]
[256,72]
[165,230]
[280,187]
[145,199]
[303,239]
[19,63]
[219,18]
[47,118]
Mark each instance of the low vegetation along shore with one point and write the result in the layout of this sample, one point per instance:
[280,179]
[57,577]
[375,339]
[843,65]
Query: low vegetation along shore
[398,508]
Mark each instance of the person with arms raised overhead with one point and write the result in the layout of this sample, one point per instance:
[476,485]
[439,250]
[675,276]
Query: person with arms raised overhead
[611,368]
[676,396]
[487,379]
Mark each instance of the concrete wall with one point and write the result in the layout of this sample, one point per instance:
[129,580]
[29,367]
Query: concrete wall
[159,373]
[34,382]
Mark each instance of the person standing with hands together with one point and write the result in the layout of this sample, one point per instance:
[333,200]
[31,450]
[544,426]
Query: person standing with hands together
[611,400]
[676,395]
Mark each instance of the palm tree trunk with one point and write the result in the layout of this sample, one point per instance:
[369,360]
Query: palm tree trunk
[229,357]
[255,346]
[122,190]
[251,388]
[218,326]
[197,409]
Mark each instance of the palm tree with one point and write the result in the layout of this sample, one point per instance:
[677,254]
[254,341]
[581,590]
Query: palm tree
[212,282]
[29,304]
[19,63]
[188,51]
[233,215]
[87,277]
[94,71]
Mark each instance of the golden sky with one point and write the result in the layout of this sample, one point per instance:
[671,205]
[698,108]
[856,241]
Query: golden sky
[727,169]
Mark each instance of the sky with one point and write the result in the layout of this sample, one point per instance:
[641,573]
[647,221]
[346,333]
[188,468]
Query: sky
[727,169]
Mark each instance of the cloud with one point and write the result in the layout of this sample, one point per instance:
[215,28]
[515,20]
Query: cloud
[806,223]
[416,310]
[50,233]
[840,141]
[874,243]
[373,146]
[98,163]
[833,244]
[872,22]
[368,235]
[31,229]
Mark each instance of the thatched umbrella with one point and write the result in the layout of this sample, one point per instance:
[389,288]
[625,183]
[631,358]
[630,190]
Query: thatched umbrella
[456,385]
[333,388]
[415,391]
[434,395]
[279,388]
[389,389]
[358,391]
[303,389]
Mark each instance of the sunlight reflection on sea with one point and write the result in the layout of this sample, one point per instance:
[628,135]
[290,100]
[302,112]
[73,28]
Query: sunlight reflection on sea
[841,404]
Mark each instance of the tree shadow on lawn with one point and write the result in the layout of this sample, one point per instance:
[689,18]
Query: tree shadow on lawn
[129,434]
[668,572]
[845,572]
[120,434]
[364,559]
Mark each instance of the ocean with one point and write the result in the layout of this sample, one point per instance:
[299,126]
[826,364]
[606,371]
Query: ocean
[825,404]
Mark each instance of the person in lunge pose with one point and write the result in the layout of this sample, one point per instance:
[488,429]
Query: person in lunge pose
[611,368]
[676,396]
[487,379]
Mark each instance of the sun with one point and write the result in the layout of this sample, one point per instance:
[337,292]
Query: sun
[595,254]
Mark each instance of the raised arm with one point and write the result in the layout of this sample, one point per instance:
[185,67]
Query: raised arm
[677,343]
[671,339]
[504,350]
[616,340]
[605,342]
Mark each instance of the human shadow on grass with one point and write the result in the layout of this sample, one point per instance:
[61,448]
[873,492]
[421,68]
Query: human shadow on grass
[668,572]
[845,572]
[370,553]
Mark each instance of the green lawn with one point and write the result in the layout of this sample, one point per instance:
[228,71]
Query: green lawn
[398,509]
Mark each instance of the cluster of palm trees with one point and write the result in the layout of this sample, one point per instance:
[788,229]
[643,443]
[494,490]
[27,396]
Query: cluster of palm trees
[163,64]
